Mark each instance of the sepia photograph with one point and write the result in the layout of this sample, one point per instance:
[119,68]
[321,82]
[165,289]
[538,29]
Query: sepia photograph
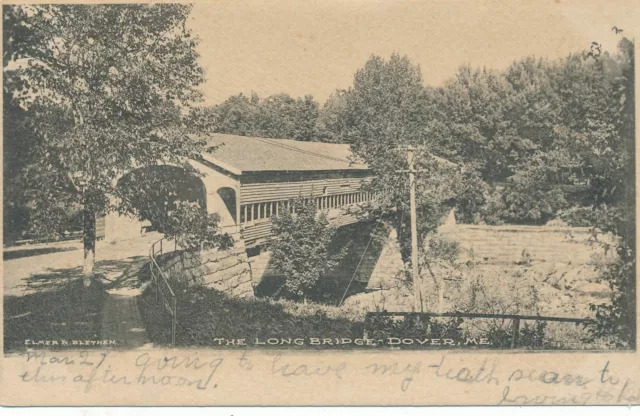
[230,199]
[169,185]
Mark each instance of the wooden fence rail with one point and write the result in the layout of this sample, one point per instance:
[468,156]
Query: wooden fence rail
[515,319]
[161,285]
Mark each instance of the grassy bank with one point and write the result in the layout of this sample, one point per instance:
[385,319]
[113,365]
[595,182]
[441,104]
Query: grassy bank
[205,314]
[69,312]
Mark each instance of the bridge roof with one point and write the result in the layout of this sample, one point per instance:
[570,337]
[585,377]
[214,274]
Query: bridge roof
[243,154]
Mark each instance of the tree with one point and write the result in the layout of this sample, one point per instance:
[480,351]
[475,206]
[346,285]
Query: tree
[106,89]
[300,250]
[616,213]
[530,126]
[330,117]
[307,111]
[277,116]
[239,115]
[386,110]
[474,104]
[17,140]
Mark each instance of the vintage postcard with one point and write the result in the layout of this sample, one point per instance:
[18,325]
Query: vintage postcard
[319,203]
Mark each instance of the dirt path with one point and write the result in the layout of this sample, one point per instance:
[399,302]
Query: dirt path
[35,273]
[39,271]
[121,320]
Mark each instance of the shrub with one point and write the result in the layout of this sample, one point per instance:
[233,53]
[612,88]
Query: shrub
[194,229]
[616,321]
[471,198]
[442,249]
[300,250]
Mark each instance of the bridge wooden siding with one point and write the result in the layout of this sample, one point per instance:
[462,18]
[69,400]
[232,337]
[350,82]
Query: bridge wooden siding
[271,172]
[280,191]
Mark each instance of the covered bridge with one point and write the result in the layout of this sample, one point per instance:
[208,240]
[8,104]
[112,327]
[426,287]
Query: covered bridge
[270,172]
[247,179]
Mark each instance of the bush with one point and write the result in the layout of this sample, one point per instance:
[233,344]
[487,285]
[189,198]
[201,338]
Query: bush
[300,250]
[616,321]
[577,216]
[471,198]
[194,229]
[441,249]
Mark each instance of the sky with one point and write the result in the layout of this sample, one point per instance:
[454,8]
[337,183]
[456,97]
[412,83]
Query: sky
[315,47]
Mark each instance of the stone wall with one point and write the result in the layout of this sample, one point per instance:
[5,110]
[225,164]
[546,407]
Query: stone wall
[225,270]
[505,243]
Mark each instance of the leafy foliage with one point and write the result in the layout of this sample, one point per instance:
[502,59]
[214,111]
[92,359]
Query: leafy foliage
[300,251]
[105,89]
[277,116]
[194,229]
[151,193]
[386,110]
[615,209]
[616,321]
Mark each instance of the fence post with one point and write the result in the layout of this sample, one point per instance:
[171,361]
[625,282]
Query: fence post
[154,278]
[441,289]
[173,321]
[366,326]
[515,333]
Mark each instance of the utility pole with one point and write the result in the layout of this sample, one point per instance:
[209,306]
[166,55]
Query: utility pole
[417,281]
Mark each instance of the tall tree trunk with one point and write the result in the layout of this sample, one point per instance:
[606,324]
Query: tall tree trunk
[89,242]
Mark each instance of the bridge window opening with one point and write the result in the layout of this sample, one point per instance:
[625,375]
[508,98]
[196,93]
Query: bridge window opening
[250,213]
[228,196]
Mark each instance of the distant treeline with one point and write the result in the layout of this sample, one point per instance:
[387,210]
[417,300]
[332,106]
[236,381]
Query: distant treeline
[543,127]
